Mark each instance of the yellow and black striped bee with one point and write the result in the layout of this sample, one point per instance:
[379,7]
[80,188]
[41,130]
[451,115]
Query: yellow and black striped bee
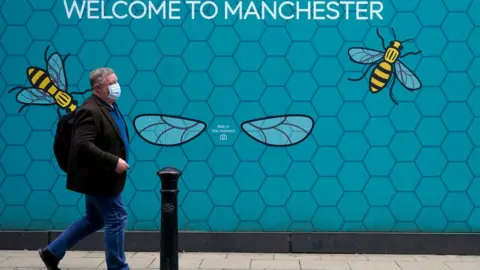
[386,63]
[48,86]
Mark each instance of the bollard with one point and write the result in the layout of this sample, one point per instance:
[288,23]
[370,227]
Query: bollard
[169,221]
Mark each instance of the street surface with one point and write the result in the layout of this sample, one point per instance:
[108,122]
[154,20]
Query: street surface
[25,260]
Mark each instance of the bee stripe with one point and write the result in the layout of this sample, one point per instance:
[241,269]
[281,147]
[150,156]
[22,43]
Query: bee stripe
[51,88]
[50,83]
[46,80]
[379,73]
[36,75]
[41,81]
[385,67]
[380,79]
[377,82]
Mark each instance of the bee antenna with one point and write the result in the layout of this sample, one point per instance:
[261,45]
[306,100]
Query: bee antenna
[45,54]
[393,32]
[407,40]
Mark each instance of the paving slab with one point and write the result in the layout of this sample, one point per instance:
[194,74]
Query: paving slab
[97,254]
[463,265]
[275,264]
[142,263]
[23,262]
[236,263]
[378,265]
[444,258]
[297,257]
[424,265]
[469,258]
[184,263]
[344,257]
[203,255]
[252,256]
[324,265]
[383,257]
[141,255]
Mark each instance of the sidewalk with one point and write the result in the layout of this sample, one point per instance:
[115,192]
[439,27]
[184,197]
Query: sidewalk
[24,260]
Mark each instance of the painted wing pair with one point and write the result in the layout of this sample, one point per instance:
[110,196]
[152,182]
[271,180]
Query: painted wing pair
[168,130]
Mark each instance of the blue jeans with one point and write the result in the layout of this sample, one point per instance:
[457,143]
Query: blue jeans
[108,212]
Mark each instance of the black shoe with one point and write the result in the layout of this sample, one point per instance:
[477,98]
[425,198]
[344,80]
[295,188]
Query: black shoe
[48,259]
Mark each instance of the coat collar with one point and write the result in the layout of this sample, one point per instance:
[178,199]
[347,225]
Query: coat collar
[104,107]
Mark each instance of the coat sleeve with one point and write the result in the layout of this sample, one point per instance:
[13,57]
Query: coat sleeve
[85,132]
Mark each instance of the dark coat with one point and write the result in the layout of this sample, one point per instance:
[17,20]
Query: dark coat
[96,145]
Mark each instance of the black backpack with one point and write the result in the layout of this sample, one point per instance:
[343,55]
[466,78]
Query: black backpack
[61,144]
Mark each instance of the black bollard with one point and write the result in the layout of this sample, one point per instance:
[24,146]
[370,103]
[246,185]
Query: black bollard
[169,221]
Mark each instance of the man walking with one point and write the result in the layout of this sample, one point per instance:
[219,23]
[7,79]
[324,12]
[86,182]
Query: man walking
[97,168]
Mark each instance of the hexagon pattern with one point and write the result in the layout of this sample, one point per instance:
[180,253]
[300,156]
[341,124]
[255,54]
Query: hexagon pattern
[369,164]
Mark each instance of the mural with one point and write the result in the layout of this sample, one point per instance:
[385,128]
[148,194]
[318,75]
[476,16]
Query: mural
[260,115]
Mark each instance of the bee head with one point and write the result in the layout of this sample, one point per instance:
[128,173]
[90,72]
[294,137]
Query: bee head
[396,44]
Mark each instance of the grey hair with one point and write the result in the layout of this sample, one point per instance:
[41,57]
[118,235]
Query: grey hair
[97,76]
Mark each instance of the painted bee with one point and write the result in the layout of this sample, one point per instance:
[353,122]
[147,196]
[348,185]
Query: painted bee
[48,86]
[386,63]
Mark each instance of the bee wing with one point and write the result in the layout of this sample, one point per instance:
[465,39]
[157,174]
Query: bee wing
[167,130]
[364,55]
[35,96]
[56,70]
[282,130]
[408,79]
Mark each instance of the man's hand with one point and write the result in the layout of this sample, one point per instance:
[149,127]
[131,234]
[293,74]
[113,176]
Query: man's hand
[121,166]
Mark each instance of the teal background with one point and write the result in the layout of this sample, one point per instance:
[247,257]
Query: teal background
[368,165]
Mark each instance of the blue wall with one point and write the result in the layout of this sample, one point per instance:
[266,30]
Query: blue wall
[367,165]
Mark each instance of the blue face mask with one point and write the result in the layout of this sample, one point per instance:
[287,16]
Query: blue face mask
[114,91]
